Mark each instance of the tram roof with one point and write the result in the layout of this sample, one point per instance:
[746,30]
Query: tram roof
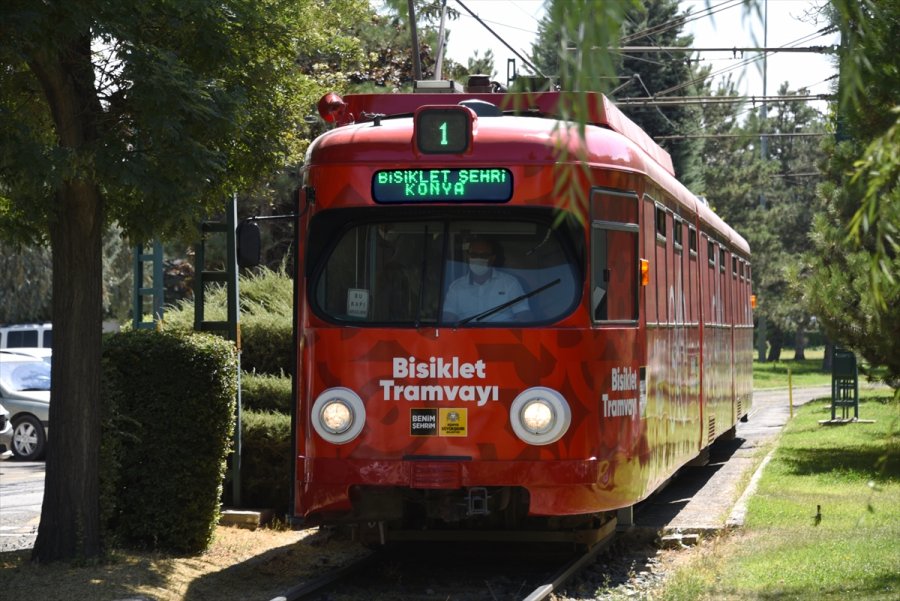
[366,108]
[360,108]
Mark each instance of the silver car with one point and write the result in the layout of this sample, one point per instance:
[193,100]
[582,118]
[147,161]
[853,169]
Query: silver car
[5,434]
[25,392]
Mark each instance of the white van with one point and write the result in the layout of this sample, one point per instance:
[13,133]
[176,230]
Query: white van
[27,335]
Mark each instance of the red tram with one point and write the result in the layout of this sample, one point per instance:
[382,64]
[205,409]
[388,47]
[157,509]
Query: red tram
[474,353]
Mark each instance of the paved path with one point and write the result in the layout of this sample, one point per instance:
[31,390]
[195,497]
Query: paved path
[706,499]
[21,495]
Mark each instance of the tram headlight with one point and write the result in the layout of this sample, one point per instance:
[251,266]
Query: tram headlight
[537,416]
[540,415]
[338,415]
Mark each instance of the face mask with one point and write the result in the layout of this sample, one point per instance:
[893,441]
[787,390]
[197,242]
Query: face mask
[479,267]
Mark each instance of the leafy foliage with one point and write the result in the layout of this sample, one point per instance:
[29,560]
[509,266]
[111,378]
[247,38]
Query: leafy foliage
[192,100]
[24,284]
[147,115]
[853,285]
[266,392]
[668,74]
[160,491]
[266,322]
[266,460]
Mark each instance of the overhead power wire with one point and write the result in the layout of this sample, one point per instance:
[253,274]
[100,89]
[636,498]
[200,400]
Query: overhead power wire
[504,42]
[743,135]
[742,63]
[681,20]
[687,100]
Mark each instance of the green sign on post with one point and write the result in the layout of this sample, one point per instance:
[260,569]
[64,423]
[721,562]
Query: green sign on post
[844,384]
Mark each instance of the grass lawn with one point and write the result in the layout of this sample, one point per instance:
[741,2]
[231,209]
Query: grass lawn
[824,522]
[807,372]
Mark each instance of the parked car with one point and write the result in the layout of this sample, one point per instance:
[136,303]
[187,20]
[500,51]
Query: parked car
[26,335]
[5,434]
[25,392]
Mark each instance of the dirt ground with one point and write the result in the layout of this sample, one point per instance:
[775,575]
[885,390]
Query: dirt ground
[239,565]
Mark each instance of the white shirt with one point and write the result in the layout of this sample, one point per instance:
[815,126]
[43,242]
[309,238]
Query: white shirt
[466,297]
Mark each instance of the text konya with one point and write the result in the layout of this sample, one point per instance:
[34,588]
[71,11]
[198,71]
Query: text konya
[406,369]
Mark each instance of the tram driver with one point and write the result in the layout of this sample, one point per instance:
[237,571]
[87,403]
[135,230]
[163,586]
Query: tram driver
[484,288]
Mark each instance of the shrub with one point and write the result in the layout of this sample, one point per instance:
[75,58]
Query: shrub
[169,402]
[266,319]
[265,460]
[266,344]
[264,392]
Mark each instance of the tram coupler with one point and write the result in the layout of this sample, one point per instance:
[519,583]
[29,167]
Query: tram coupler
[477,501]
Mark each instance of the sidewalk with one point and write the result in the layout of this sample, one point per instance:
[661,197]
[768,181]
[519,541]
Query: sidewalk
[705,500]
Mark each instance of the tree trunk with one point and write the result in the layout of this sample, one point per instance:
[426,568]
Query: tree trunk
[829,356]
[800,344]
[775,352]
[776,343]
[70,514]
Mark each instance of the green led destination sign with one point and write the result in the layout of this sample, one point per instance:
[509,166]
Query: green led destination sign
[442,185]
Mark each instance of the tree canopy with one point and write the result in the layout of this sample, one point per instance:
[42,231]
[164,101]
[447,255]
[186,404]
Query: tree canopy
[147,114]
[852,281]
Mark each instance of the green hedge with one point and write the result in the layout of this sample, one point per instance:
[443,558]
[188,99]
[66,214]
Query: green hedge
[266,319]
[265,461]
[263,392]
[169,404]
[266,344]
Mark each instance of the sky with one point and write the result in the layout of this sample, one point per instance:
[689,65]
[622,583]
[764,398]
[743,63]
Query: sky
[517,22]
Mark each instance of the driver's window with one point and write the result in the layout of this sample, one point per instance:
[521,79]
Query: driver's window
[493,263]
[383,272]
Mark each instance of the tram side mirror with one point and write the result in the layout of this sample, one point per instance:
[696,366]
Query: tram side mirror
[248,243]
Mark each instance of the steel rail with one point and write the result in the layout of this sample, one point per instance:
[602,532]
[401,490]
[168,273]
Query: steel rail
[575,565]
[322,582]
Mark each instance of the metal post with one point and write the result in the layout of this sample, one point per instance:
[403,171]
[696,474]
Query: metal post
[791,393]
[156,290]
[764,152]
[234,333]
[439,62]
[230,328]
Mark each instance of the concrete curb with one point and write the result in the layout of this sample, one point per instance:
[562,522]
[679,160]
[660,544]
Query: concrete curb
[739,511]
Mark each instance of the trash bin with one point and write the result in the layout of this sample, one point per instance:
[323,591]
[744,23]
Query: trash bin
[844,384]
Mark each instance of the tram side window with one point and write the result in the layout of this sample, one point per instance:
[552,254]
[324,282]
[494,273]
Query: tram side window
[660,224]
[614,257]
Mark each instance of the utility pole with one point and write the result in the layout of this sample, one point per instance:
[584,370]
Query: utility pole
[441,43]
[417,60]
[762,334]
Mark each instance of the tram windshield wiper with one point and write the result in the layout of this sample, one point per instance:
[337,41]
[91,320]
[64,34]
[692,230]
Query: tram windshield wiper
[508,303]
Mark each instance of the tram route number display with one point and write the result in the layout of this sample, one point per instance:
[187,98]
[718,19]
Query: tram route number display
[474,184]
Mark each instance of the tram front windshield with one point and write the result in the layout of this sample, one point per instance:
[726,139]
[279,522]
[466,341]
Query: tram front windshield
[462,273]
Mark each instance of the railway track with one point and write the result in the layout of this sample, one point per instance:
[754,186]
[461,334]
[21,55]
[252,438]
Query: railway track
[312,588]
[456,570]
